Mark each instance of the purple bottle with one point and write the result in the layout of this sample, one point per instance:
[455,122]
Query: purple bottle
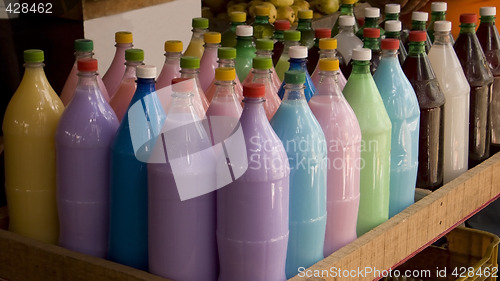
[83,138]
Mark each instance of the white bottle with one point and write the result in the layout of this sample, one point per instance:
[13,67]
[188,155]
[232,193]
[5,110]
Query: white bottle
[347,40]
[454,85]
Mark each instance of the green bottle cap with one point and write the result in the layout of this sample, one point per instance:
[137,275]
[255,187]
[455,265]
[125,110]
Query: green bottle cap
[264,44]
[226,53]
[190,62]
[84,45]
[262,62]
[295,77]
[33,55]
[134,55]
[200,23]
[291,35]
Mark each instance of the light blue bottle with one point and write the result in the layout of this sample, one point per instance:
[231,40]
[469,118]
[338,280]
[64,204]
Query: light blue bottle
[128,229]
[298,60]
[305,144]
[402,107]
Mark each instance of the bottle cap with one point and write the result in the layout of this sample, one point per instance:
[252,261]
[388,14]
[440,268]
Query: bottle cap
[327,44]
[438,6]
[371,32]
[329,64]
[190,62]
[442,26]
[226,53]
[33,55]
[244,30]
[238,16]
[123,37]
[419,16]
[389,44]
[146,71]
[182,85]
[362,54]
[86,65]
[322,33]
[297,52]
[350,2]
[212,37]
[392,8]
[134,55]
[372,12]
[346,21]
[281,25]
[264,44]
[254,90]
[487,11]
[468,18]
[305,14]
[261,10]
[295,77]
[201,23]
[291,35]
[260,62]
[84,45]
[392,26]
[225,74]
[173,46]
[417,36]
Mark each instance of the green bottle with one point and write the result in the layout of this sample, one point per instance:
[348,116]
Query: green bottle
[245,50]
[346,9]
[372,17]
[438,13]
[262,29]
[228,37]
[305,27]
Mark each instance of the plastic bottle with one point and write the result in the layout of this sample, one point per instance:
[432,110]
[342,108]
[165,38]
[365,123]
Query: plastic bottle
[28,128]
[262,29]
[346,42]
[172,66]
[261,74]
[128,228]
[438,13]
[190,69]
[208,62]
[181,234]
[115,72]
[489,39]
[292,38]
[431,100]
[279,38]
[474,64]
[364,98]
[372,17]
[313,52]
[83,49]
[305,27]
[295,124]
[227,56]
[393,31]
[195,47]
[298,59]
[83,141]
[245,50]
[391,12]
[372,41]
[418,22]
[253,211]
[328,48]
[402,107]
[265,49]
[343,138]
[121,99]
[228,37]
[346,9]
[453,83]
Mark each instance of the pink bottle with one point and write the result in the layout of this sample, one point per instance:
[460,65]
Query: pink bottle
[328,49]
[190,68]
[208,62]
[227,56]
[261,73]
[172,67]
[83,49]
[343,137]
[115,72]
[265,49]
[121,99]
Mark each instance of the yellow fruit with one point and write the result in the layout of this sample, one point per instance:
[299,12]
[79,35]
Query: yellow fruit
[302,4]
[236,2]
[327,6]
[222,17]
[207,13]
[240,7]
[295,11]
[286,13]
[281,3]
[251,7]
[272,11]
[317,15]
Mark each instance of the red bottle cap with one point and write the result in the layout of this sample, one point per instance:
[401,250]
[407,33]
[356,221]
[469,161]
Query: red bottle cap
[282,25]
[322,33]
[87,65]
[371,32]
[389,44]
[417,36]
[254,90]
[468,18]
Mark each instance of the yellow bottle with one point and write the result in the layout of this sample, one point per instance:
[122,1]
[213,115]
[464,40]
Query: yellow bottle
[29,127]
[196,45]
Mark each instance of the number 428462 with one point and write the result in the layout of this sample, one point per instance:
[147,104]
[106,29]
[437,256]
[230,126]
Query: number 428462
[460,272]
[25,8]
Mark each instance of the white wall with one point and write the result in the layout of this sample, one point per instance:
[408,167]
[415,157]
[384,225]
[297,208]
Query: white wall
[150,27]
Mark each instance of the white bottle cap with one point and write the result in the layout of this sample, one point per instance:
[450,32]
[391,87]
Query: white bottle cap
[297,52]
[146,71]
[438,6]
[244,30]
[372,12]
[346,21]
[392,26]
[442,26]
[487,11]
[363,54]
[392,8]
[419,16]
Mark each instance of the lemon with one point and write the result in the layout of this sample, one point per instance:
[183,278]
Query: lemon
[281,3]
[302,4]
[240,7]
[286,13]
[207,13]
[327,6]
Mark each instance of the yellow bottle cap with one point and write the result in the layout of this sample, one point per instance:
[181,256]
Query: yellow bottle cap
[225,74]
[211,37]
[349,2]
[327,64]
[261,10]
[327,44]
[123,37]
[305,14]
[173,46]
[238,16]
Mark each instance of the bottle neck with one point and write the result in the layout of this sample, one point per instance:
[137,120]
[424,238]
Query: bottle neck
[34,72]
[147,85]
[325,53]
[198,33]
[264,53]
[361,67]
[279,35]
[87,80]
[347,10]
[294,92]
[418,25]
[438,16]
[392,16]
[261,20]
[488,19]
[393,34]
[371,43]
[346,29]
[224,89]
[288,44]
[131,68]
[212,46]
[259,74]
[226,63]
[416,49]
[390,54]
[371,22]
[235,24]
[172,57]
[304,24]
[190,72]
[467,28]
[330,80]
[244,41]
[82,55]
[297,62]
[182,103]
[442,38]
